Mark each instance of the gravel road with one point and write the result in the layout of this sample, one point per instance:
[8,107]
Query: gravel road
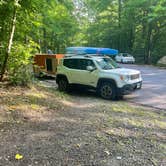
[153,92]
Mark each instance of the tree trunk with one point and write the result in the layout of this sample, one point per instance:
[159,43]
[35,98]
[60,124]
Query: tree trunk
[10,42]
[144,34]
[148,45]
[131,39]
[45,40]
[52,42]
[58,48]
[119,22]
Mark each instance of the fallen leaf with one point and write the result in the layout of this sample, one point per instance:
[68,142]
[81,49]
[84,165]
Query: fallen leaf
[18,156]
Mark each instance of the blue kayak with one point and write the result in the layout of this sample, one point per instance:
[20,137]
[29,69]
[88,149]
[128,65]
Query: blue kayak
[91,50]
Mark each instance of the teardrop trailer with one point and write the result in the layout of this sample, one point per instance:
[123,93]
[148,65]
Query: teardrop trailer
[46,64]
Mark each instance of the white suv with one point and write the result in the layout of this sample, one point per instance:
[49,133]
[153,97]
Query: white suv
[98,72]
[125,58]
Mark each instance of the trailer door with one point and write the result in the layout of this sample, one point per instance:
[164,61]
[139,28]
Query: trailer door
[49,64]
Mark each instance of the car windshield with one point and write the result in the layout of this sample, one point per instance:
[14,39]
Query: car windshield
[107,63]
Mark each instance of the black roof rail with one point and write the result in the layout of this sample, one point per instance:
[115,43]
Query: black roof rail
[88,56]
[70,55]
[85,55]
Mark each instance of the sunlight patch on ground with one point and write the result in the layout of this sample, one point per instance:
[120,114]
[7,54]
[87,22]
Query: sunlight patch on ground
[36,94]
[123,132]
[40,135]
[76,105]
[137,122]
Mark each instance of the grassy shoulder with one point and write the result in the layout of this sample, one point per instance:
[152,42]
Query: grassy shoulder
[161,66]
[52,128]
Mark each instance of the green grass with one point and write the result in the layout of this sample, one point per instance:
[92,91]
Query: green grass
[84,124]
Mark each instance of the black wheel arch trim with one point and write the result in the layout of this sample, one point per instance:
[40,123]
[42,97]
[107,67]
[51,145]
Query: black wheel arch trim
[101,80]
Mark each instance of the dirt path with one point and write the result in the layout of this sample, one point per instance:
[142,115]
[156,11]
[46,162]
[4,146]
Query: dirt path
[50,128]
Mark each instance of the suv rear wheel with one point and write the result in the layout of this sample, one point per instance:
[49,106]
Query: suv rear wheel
[107,90]
[62,84]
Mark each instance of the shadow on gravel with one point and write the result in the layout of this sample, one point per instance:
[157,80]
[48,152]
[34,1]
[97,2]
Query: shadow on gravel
[46,78]
[76,90]
[83,92]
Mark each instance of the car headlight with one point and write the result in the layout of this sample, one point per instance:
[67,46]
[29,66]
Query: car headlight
[125,77]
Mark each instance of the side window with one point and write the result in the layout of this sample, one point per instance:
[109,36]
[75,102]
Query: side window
[90,63]
[83,63]
[79,64]
[70,63]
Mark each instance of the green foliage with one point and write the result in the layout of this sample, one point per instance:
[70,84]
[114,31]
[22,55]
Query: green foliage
[51,24]
[135,26]
[59,26]
[22,76]
[20,63]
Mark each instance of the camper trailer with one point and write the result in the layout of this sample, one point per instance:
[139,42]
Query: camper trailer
[46,64]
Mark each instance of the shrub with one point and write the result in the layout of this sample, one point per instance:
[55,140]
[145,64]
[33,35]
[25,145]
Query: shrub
[20,64]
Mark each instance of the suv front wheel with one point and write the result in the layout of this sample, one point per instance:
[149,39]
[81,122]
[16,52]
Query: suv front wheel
[107,90]
[62,84]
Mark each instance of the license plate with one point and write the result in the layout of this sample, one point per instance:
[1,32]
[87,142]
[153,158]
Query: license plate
[138,85]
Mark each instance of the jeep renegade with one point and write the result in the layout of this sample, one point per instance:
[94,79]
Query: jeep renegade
[98,72]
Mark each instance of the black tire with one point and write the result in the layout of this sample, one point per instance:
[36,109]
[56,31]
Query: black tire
[107,90]
[62,84]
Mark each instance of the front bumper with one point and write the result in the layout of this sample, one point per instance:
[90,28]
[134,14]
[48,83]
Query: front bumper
[128,61]
[129,88]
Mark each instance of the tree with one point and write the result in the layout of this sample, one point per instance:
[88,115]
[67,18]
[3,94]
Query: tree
[10,40]
[48,23]
[132,26]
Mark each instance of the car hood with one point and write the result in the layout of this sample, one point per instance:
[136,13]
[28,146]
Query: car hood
[123,71]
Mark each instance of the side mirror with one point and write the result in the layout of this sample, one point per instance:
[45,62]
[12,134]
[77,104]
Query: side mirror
[90,68]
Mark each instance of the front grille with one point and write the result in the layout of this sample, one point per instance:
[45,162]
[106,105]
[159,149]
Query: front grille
[134,76]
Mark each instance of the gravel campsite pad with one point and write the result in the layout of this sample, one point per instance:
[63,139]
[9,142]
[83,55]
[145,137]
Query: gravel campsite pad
[44,127]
